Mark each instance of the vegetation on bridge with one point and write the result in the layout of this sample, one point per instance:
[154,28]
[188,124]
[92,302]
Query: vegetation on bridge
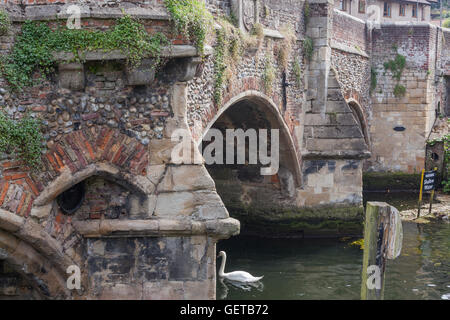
[4,22]
[21,138]
[397,66]
[34,47]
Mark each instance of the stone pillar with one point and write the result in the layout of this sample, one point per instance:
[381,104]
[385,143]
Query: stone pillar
[318,29]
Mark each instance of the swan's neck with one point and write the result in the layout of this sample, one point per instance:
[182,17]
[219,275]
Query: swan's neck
[222,266]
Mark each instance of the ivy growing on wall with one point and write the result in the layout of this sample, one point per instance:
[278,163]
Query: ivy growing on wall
[21,138]
[298,73]
[4,22]
[306,12]
[396,66]
[373,79]
[308,48]
[286,46]
[34,47]
[192,19]
[269,74]
[231,43]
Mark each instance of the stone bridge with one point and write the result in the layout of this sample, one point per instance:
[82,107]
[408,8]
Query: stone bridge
[110,198]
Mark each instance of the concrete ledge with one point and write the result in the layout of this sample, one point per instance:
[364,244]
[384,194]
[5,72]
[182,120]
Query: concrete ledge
[220,229]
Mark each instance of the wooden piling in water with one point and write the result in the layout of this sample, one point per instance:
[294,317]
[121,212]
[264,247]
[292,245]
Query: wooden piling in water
[383,236]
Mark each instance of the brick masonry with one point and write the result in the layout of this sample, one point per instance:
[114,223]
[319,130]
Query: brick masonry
[144,216]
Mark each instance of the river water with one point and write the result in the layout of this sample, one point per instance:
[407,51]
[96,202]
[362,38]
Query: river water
[331,269]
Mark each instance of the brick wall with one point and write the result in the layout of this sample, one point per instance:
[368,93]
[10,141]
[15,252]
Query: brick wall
[349,31]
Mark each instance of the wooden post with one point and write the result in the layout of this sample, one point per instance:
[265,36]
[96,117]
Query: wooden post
[383,236]
[432,196]
[421,193]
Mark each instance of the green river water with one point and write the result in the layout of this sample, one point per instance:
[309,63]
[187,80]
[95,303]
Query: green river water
[331,269]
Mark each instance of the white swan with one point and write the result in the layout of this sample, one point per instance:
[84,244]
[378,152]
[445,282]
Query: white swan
[238,276]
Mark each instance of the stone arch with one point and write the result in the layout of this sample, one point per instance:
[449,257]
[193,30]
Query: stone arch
[245,191]
[270,108]
[359,115]
[34,255]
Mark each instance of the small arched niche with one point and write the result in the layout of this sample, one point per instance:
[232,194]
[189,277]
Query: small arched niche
[102,196]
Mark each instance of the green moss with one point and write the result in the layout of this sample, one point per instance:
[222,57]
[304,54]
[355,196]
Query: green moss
[383,181]
[263,216]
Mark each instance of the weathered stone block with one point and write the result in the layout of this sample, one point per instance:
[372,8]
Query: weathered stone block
[71,76]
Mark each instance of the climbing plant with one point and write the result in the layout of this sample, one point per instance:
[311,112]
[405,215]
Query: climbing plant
[286,46]
[4,22]
[35,44]
[298,73]
[21,138]
[308,48]
[373,79]
[269,74]
[399,90]
[306,12]
[231,43]
[396,66]
[192,19]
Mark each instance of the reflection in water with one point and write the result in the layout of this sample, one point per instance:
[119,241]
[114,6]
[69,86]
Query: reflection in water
[247,287]
[330,269]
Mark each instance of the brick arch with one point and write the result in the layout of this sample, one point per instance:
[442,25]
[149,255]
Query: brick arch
[78,154]
[269,107]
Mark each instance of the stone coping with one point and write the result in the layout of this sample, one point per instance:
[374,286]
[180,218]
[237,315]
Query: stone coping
[58,11]
[220,229]
[347,15]
[175,51]
[345,48]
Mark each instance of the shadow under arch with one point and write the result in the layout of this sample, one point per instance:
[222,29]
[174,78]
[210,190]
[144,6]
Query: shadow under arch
[46,278]
[248,195]
[289,157]
[67,180]
[359,115]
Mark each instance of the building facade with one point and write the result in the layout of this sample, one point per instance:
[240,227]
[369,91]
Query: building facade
[387,11]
